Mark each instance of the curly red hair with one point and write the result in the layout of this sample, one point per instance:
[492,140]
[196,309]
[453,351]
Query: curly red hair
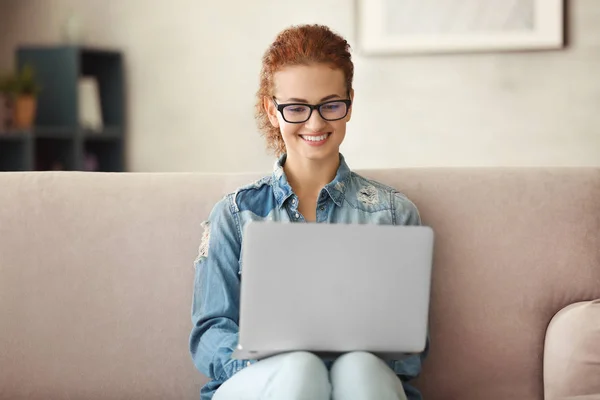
[298,45]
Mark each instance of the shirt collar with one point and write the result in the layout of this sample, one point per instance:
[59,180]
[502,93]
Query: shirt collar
[335,189]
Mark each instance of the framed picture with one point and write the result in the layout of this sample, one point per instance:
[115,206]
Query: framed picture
[442,26]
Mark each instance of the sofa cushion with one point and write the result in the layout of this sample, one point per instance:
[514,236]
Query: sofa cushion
[572,353]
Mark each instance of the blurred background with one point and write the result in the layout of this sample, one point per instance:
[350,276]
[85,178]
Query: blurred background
[177,81]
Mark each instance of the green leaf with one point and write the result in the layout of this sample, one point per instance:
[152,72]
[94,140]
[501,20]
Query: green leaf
[22,82]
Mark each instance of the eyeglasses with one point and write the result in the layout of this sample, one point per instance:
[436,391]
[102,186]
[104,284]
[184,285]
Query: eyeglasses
[297,113]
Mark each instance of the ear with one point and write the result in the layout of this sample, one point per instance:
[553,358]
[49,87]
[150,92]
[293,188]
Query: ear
[351,107]
[269,107]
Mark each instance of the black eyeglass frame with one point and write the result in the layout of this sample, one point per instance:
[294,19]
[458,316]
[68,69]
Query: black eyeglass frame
[317,107]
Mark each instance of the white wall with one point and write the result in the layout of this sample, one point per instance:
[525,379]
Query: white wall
[193,66]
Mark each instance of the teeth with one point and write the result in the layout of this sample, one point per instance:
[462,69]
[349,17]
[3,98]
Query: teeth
[315,138]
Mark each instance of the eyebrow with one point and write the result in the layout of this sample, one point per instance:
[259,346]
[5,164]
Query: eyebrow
[331,96]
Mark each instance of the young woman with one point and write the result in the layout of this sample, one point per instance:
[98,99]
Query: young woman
[303,105]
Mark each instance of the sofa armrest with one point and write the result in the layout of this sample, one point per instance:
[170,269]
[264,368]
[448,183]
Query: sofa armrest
[572,353]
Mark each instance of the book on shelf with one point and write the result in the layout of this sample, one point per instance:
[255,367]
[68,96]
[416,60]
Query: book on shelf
[90,111]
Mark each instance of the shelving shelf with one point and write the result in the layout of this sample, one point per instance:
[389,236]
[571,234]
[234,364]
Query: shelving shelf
[57,141]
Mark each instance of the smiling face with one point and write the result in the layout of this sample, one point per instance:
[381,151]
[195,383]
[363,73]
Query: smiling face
[317,138]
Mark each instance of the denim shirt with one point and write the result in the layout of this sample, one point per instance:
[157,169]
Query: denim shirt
[349,198]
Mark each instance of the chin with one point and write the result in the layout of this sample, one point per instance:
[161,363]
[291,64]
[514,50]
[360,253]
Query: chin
[322,154]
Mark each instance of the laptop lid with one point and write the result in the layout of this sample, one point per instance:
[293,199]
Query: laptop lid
[334,288]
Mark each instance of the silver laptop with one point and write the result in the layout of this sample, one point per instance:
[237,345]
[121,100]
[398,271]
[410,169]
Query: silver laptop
[334,288]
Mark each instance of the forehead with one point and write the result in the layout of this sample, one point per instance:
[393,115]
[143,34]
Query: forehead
[311,82]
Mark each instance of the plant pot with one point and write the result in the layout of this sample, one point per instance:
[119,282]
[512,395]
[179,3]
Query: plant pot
[24,109]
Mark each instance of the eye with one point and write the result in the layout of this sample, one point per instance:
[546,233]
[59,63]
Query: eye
[331,107]
[295,109]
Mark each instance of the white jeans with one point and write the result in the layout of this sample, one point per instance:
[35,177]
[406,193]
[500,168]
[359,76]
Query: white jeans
[303,376]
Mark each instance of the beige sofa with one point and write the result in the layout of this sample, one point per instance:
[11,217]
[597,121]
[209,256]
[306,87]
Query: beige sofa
[96,281]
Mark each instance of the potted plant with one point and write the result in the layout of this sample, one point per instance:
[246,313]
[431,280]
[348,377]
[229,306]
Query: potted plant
[22,90]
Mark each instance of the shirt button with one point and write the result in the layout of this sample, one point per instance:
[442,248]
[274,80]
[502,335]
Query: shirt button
[248,364]
[294,201]
[322,208]
[297,215]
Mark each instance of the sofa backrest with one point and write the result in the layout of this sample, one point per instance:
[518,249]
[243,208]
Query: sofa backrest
[96,277]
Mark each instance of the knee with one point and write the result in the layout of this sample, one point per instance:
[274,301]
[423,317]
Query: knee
[301,375]
[356,360]
[304,362]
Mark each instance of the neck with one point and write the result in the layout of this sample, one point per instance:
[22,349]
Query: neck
[308,177]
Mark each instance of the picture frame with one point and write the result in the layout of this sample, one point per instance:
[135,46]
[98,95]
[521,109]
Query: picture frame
[450,26]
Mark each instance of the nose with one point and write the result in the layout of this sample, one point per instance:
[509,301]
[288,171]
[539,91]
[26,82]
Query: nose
[315,122]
